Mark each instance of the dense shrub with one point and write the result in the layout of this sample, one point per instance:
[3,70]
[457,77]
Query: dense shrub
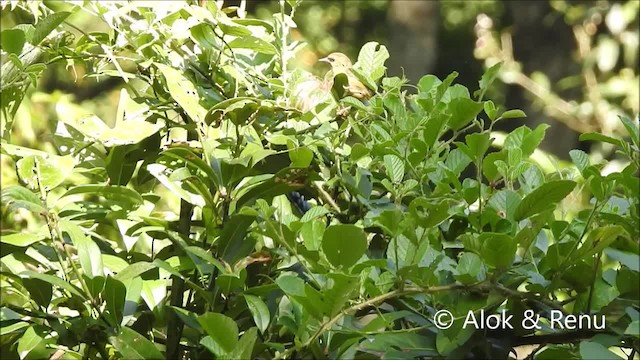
[170,234]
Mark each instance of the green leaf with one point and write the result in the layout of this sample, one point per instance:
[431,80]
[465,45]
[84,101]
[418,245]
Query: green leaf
[95,285]
[174,185]
[188,318]
[490,109]
[555,353]
[601,138]
[542,198]
[533,139]
[489,167]
[113,263]
[358,151]
[371,60]
[134,270]
[54,280]
[13,328]
[120,195]
[478,144]
[632,128]
[222,330]
[134,290]
[453,338]
[531,178]
[173,271]
[394,167]
[88,252]
[515,139]
[231,27]
[312,233]
[427,83]
[21,239]
[234,243]
[131,345]
[400,346]
[89,125]
[341,83]
[505,202]
[115,296]
[183,92]
[33,343]
[462,111]
[454,92]
[512,114]
[442,88]
[204,255]
[314,213]
[118,167]
[603,294]
[343,288]
[390,221]
[633,328]
[301,157]
[344,244]
[52,170]
[310,299]
[245,345]
[580,159]
[351,101]
[598,239]
[16,197]
[630,260]
[489,76]
[40,291]
[153,292]
[256,152]
[590,350]
[128,132]
[394,103]
[428,214]
[12,40]
[35,68]
[259,311]
[46,26]
[497,250]
[470,268]
[253,43]
[28,30]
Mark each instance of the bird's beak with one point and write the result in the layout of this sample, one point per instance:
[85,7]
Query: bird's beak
[324,59]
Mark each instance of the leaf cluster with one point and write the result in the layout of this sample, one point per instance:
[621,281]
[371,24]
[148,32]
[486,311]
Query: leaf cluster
[170,234]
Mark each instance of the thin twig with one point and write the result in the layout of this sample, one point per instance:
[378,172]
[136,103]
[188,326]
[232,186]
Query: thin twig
[326,197]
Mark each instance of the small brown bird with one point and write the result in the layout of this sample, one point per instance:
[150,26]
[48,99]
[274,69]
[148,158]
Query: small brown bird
[341,64]
[311,91]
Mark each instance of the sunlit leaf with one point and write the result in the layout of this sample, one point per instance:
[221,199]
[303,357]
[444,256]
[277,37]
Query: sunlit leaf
[344,245]
[222,331]
[131,345]
[543,197]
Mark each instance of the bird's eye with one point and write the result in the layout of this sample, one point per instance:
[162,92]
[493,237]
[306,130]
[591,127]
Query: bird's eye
[331,59]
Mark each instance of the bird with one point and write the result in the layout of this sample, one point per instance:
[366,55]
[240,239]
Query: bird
[310,90]
[341,64]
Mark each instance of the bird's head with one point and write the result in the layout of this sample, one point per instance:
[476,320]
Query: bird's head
[340,63]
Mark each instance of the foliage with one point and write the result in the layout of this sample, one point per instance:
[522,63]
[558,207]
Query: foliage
[604,83]
[169,234]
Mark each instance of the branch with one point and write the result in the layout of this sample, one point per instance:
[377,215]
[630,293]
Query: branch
[326,197]
[378,299]
[482,287]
